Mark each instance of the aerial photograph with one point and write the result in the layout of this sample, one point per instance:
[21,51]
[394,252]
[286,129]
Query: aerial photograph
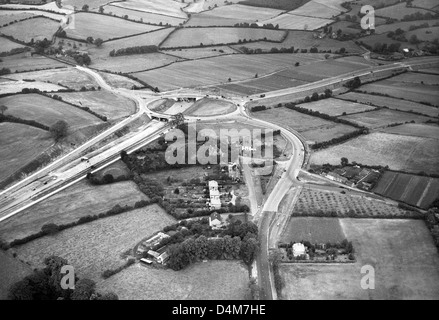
[234,151]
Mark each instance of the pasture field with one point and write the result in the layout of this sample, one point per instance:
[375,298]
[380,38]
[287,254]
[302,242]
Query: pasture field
[37,29]
[296,22]
[19,145]
[143,16]
[11,270]
[314,230]
[393,150]
[208,20]
[404,25]
[20,63]
[408,91]
[425,34]
[7,45]
[415,130]
[211,280]
[382,118]
[102,26]
[336,107]
[313,202]
[372,40]
[430,70]
[428,4]
[134,63]
[312,128]
[66,77]
[241,13]
[96,246]
[119,81]
[10,16]
[146,39]
[415,190]
[47,111]
[93,4]
[193,37]
[391,103]
[317,9]
[398,11]
[331,68]
[215,70]
[17,86]
[401,251]
[163,7]
[197,53]
[210,107]
[103,102]
[49,7]
[419,78]
[79,200]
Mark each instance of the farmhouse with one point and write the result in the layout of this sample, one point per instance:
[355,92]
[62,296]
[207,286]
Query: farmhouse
[298,249]
[215,220]
[159,257]
[215,202]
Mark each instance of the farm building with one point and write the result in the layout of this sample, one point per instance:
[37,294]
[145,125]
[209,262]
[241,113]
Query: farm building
[215,202]
[160,257]
[215,220]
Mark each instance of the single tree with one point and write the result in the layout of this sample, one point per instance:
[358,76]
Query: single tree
[59,129]
[85,7]
[98,42]
[3,109]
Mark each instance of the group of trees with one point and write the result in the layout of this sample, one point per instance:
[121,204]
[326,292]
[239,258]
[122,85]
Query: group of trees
[353,84]
[255,25]
[108,178]
[45,284]
[239,241]
[133,50]
[420,16]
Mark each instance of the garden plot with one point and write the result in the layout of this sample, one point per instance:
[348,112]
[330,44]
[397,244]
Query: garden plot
[415,190]
[395,151]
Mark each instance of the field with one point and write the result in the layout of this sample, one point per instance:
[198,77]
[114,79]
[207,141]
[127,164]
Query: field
[11,271]
[401,251]
[428,4]
[119,81]
[69,205]
[404,25]
[318,9]
[37,29]
[66,77]
[419,78]
[210,107]
[143,16]
[336,107]
[415,130]
[47,111]
[398,11]
[409,91]
[314,129]
[391,103]
[382,118]
[304,40]
[192,37]
[212,280]
[415,190]
[196,53]
[20,144]
[163,7]
[93,4]
[103,102]
[396,151]
[20,63]
[215,70]
[314,230]
[7,17]
[134,63]
[102,26]
[146,39]
[430,70]
[296,22]
[96,246]
[17,86]
[7,45]
[425,34]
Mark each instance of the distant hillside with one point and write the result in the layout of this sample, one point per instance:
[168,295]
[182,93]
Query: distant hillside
[275,4]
